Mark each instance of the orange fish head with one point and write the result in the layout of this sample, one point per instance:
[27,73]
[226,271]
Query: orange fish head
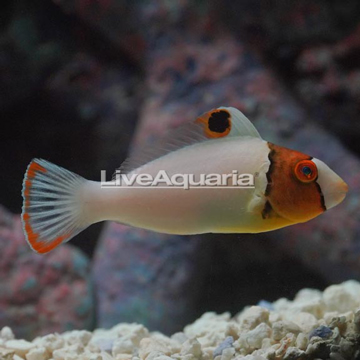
[301,187]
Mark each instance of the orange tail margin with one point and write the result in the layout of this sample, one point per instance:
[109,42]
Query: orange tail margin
[50,212]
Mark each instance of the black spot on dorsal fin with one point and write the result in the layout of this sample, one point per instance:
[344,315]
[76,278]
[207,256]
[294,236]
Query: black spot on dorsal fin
[219,121]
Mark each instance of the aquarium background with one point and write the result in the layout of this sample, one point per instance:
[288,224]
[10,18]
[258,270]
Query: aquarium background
[84,82]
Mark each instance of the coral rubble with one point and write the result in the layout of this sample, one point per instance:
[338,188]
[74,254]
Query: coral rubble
[41,294]
[315,325]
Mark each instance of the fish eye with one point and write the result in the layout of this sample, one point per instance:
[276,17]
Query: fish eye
[306,171]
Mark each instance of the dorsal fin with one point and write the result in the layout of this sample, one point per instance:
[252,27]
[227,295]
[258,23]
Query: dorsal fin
[227,121]
[184,135]
[215,124]
[242,126]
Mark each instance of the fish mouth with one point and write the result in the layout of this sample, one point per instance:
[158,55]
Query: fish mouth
[334,198]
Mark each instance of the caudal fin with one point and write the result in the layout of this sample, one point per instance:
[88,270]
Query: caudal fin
[52,211]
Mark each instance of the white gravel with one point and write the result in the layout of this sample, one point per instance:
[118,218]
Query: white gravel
[315,325]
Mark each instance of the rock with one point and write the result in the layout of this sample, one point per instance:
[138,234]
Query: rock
[191,347]
[124,345]
[252,317]
[293,353]
[337,298]
[357,320]
[6,334]
[341,323]
[285,343]
[155,266]
[265,304]
[125,357]
[37,354]
[69,352]
[207,328]
[20,347]
[353,288]
[102,344]
[316,61]
[318,349]
[41,294]
[252,339]
[149,349]
[227,343]
[7,354]
[78,337]
[180,337]
[281,328]
[301,341]
[305,321]
[206,339]
[323,331]
[310,304]
[228,354]
[50,342]
[306,295]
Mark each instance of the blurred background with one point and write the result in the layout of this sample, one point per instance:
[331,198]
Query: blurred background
[84,82]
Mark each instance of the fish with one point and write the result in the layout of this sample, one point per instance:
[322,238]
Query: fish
[264,186]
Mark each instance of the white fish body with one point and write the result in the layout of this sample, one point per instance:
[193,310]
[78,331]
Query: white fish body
[196,210]
[289,187]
